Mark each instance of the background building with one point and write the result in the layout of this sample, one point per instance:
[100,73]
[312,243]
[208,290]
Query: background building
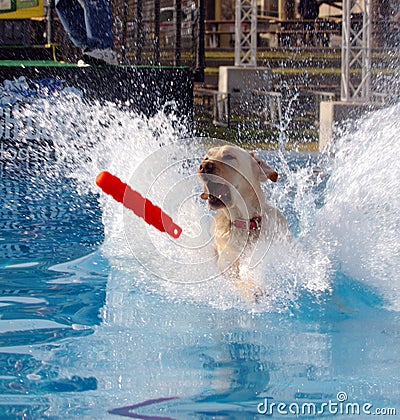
[145,31]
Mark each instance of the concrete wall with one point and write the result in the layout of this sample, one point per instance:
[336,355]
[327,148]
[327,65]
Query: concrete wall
[233,79]
[332,114]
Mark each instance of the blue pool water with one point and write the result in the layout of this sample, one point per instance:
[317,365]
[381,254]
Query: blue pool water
[99,311]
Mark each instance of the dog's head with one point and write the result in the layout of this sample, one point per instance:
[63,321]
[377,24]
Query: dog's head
[228,172]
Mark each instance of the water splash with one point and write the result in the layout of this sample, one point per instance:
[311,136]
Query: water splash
[355,231]
[361,218]
[152,155]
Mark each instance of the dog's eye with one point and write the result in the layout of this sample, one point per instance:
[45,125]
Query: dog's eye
[229,157]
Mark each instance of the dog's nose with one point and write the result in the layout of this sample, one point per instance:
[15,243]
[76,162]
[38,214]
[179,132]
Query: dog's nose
[206,167]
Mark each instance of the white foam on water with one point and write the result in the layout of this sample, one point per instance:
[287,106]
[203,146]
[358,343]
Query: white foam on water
[361,215]
[357,229]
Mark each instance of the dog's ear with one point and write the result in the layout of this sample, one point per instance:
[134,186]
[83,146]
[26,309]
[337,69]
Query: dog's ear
[264,171]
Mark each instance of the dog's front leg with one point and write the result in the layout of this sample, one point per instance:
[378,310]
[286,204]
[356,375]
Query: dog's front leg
[246,287]
[253,292]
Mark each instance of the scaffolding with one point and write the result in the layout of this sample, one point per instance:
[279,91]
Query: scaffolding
[246,33]
[356,51]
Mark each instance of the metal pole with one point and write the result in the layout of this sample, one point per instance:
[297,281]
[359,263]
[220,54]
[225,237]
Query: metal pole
[201,60]
[366,64]
[238,32]
[229,110]
[356,51]
[49,11]
[156,32]
[345,75]
[246,33]
[139,30]
[178,32]
[123,41]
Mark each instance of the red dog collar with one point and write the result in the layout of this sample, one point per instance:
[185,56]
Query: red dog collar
[252,224]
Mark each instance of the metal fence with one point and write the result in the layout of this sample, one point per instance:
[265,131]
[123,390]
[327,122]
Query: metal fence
[260,108]
[148,34]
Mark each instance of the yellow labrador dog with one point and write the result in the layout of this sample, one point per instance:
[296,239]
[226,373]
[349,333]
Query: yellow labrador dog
[232,185]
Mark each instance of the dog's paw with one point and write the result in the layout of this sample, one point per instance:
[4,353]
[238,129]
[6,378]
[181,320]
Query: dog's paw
[258,295]
[253,292]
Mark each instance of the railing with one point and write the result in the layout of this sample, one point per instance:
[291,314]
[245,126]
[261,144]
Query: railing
[274,33]
[296,33]
[269,106]
[259,107]
[28,39]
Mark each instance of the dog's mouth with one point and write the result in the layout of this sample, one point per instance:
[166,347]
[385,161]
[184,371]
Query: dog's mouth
[218,195]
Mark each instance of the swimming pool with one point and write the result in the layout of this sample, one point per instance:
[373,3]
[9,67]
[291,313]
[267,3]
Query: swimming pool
[100,312]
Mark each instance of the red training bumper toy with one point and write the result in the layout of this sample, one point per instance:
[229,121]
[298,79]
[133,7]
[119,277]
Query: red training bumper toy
[134,201]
